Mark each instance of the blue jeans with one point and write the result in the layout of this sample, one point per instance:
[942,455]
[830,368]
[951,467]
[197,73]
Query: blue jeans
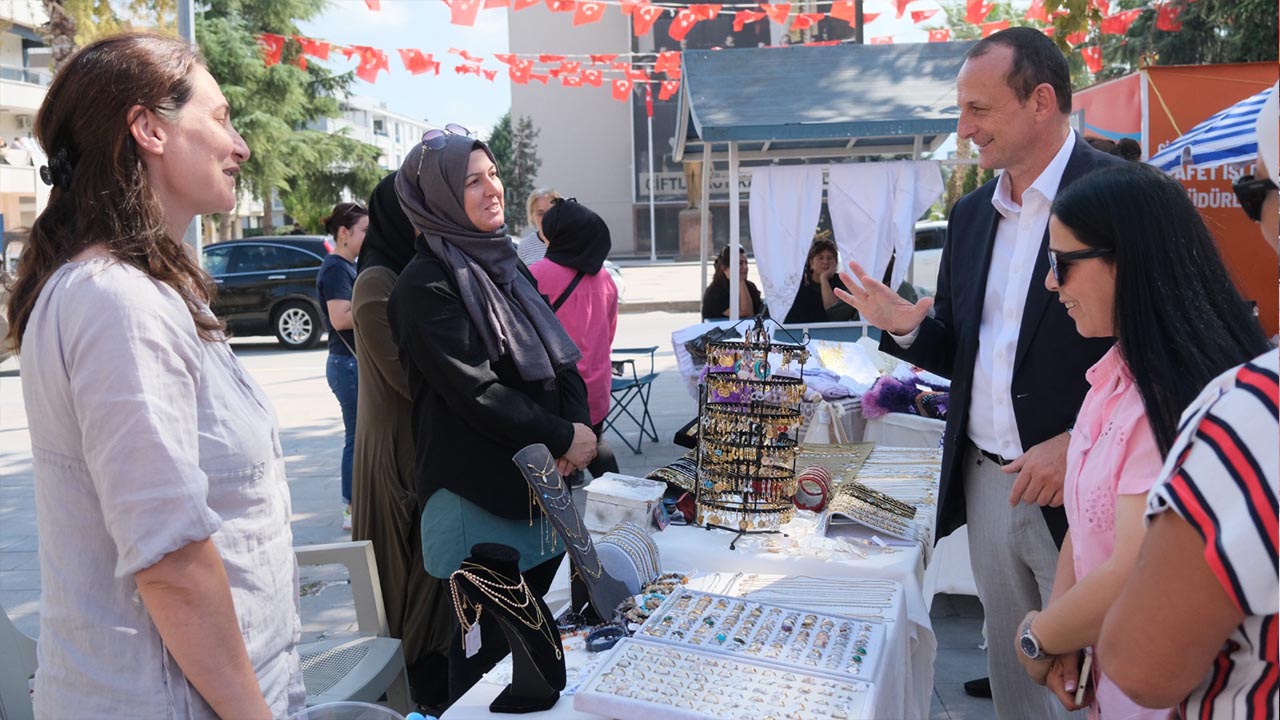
[343,379]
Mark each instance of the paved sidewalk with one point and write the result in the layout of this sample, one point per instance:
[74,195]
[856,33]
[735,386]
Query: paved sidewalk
[311,433]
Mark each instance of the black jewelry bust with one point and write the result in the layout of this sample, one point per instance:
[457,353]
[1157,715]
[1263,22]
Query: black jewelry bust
[605,592]
[488,588]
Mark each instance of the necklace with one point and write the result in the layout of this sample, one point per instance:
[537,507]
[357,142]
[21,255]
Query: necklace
[576,537]
[526,611]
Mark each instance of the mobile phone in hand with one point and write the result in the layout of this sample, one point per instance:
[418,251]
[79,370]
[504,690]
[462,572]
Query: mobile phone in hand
[1086,667]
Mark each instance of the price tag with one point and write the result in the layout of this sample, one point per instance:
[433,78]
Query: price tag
[471,640]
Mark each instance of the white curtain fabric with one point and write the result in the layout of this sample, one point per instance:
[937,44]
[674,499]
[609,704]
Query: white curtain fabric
[785,204]
[874,207]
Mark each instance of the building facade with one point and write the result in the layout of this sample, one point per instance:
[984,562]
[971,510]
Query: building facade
[370,121]
[24,80]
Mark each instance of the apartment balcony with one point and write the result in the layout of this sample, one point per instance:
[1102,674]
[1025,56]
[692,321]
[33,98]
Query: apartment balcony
[18,180]
[23,89]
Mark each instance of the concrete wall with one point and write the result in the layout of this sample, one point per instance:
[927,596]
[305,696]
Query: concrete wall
[584,138]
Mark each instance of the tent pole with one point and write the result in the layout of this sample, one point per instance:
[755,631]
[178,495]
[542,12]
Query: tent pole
[735,238]
[705,207]
[653,192]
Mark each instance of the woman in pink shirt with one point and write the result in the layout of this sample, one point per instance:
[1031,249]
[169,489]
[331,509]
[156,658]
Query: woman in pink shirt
[586,302]
[1131,258]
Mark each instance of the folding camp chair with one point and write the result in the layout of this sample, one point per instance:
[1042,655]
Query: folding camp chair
[628,387]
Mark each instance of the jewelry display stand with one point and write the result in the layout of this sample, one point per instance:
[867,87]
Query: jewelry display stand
[748,433]
[604,591]
[489,584]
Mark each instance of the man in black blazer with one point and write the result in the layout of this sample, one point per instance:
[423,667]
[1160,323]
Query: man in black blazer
[1016,363]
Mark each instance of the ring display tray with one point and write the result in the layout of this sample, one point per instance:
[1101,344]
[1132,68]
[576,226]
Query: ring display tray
[812,641]
[642,680]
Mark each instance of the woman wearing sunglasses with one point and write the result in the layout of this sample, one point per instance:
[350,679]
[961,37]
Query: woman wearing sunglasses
[1130,258]
[490,369]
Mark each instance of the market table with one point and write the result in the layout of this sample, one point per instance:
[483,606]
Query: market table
[846,554]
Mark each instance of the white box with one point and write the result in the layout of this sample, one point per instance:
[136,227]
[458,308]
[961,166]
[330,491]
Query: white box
[614,498]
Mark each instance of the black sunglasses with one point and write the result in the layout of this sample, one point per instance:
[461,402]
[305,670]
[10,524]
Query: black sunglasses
[435,138]
[1060,261]
[1251,193]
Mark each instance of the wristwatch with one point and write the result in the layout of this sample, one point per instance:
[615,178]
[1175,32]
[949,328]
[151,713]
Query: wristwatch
[1030,644]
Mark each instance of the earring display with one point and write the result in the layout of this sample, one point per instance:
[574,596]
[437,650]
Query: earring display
[813,641]
[641,680]
[748,432]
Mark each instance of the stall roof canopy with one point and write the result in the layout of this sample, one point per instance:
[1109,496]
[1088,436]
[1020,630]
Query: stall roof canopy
[801,102]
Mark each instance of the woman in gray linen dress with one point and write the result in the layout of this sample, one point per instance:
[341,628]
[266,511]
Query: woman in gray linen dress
[169,585]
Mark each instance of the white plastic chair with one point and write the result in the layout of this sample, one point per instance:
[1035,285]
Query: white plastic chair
[17,665]
[361,668]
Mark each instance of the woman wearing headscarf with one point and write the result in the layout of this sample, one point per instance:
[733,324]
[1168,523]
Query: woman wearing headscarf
[384,500]
[490,370]
[586,302]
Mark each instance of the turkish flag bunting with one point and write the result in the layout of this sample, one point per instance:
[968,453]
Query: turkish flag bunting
[491,4]
[805,21]
[901,6]
[684,22]
[1167,17]
[371,61]
[643,18]
[272,46]
[466,55]
[638,75]
[569,68]
[490,74]
[588,12]
[522,4]
[629,6]
[940,35]
[571,80]
[845,10]
[597,59]
[669,63]
[1048,31]
[417,63]
[504,58]
[1102,6]
[1076,38]
[976,11]
[466,69]
[544,79]
[1119,23]
[1037,12]
[300,61]
[463,12]
[592,77]
[669,88]
[742,17]
[314,48]
[777,12]
[561,5]
[919,16]
[705,12]
[991,28]
[623,67]
[546,58]
[1092,58]
[882,40]
[519,74]
[374,5]
[621,89]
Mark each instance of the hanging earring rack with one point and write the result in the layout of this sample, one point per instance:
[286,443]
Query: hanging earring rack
[748,432]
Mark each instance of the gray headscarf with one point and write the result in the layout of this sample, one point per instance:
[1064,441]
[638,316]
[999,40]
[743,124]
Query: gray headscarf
[508,312]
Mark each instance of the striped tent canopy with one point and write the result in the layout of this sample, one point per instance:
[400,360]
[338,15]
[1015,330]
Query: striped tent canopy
[1227,137]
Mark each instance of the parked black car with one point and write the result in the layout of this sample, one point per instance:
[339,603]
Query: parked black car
[267,286]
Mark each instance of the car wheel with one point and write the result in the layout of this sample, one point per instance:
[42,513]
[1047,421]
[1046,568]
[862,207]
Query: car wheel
[297,325]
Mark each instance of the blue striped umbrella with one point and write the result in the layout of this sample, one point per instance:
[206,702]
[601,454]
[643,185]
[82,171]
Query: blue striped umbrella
[1227,137]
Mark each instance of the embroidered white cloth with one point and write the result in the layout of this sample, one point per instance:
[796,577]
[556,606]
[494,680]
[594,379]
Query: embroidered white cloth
[785,205]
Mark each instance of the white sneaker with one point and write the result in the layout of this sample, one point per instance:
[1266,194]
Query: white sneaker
[346,517]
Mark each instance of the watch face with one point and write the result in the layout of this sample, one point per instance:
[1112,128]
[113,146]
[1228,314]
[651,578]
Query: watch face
[1029,646]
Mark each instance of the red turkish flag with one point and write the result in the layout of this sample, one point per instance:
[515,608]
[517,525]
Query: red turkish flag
[1092,58]
[643,18]
[805,21]
[314,48]
[623,67]
[571,80]
[567,68]
[882,40]
[466,55]
[544,79]
[629,6]
[598,59]
[522,4]
[777,12]
[845,10]
[592,77]
[519,74]
[1076,38]
[504,58]
[669,88]
[901,6]
[991,28]
[466,69]
[638,75]
[976,11]
[669,63]
[742,17]
[705,12]
[417,63]
[545,58]
[463,12]
[561,5]
[1102,6]
[1037,12]
[919,16]
[490,74]
[491,4]
[372,60]
[272,46]
[374,5]
[1167,17]
[684,22]
[940,35]
[1120,23]
[588,12]
[621,89]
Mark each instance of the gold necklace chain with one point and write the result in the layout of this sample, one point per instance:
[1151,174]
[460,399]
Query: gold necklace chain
[577,538]
[527,612]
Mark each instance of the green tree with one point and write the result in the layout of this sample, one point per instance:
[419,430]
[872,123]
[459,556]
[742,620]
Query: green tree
[326,168]
[499,141]
[522,172]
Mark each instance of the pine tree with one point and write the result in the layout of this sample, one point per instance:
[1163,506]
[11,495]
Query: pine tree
[523,172]
[500,144]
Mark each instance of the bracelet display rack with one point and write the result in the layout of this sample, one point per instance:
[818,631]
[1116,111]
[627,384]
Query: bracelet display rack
[552,494]
[748,432]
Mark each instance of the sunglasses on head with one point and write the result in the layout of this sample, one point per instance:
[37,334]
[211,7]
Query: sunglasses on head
[1251,192]
[1060,261]
[435,138]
